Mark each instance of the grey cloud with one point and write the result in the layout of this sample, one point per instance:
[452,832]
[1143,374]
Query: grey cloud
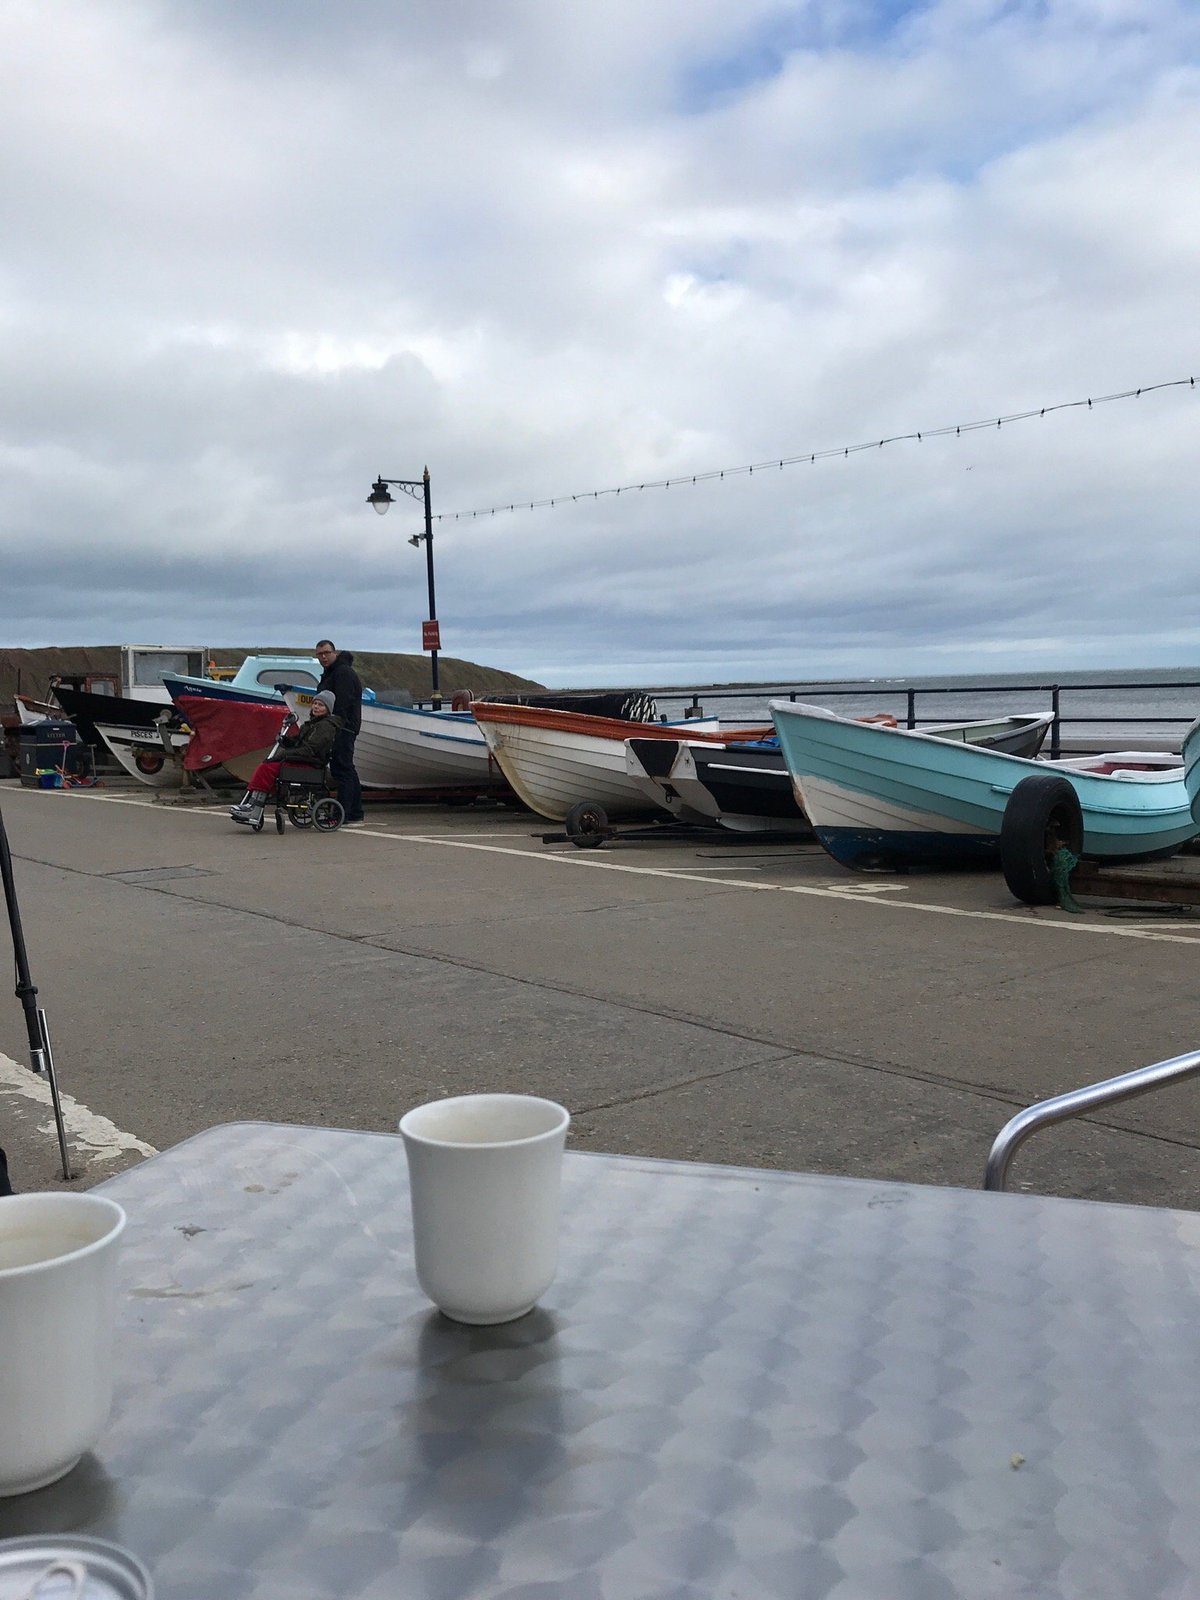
[268,252]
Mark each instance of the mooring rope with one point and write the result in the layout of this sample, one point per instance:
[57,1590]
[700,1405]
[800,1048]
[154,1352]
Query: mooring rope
[1061,868]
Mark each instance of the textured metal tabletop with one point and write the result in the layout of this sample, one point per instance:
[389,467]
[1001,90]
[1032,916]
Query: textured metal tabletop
[743,1384]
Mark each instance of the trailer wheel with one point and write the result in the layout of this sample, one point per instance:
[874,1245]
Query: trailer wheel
[149,762]
[586,824]
[1042,817]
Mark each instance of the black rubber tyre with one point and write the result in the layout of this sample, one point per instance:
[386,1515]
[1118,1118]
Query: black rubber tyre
[1043,815]
[149,762]
[300,816]
[257,824]
[586,824]
[279,823]
[327,815]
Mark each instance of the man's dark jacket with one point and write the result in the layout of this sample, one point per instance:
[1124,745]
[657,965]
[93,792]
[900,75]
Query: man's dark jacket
[341,677]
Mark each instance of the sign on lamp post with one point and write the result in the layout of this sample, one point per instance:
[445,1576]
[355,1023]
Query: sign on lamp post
[431,636]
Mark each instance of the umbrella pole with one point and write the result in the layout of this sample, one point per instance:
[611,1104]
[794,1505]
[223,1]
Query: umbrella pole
[41,1055]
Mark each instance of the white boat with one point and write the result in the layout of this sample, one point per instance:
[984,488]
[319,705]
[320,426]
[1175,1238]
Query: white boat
[427,752]
[556,760]
[30,710]
[152,758]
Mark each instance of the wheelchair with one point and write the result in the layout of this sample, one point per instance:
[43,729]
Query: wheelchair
[302,798]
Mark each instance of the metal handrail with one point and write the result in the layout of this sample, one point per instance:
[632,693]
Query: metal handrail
[1077,1101]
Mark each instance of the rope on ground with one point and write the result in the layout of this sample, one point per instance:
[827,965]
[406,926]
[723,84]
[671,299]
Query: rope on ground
[1064,863]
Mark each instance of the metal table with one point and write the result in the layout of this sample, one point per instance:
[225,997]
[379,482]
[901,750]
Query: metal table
[743,1384]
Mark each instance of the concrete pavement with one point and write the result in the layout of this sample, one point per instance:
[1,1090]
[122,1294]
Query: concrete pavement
[710,999]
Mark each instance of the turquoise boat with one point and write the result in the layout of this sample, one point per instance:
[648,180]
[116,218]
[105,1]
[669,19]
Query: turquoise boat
[1191,768]
[895,797]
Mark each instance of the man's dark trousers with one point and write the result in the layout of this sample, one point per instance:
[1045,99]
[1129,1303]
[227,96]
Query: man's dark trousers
[341,766]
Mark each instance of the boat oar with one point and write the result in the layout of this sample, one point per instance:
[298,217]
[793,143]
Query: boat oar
[41,1055]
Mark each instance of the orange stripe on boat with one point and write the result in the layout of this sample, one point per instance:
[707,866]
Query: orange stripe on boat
[606,727]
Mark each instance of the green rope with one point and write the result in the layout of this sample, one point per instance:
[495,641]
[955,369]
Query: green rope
[1061,868]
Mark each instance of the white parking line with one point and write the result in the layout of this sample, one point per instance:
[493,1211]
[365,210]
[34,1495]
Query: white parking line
[92,1136]
[855,892]
[850,895]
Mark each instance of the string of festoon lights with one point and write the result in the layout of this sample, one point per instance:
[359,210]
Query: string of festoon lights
[810,457]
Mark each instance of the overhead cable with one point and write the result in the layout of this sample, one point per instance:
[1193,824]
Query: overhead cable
[808,457]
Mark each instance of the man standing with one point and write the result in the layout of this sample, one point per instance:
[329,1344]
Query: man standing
[339,676]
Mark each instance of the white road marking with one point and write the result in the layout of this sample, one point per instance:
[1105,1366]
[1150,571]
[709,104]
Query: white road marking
[91,1135]
[864,888]
[850,894]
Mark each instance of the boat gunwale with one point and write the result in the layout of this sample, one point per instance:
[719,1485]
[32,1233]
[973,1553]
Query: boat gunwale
[583,723]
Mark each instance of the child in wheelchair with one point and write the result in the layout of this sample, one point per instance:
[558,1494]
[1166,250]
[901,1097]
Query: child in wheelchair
[303,746]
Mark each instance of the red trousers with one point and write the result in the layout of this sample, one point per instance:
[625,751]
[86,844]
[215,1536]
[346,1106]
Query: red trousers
[265,775]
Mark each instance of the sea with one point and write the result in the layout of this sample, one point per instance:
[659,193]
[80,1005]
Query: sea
[1155,705]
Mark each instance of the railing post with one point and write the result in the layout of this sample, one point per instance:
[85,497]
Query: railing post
[912,708]
[1056,725]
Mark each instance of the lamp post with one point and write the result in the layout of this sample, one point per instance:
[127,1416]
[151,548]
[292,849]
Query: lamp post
[381,500]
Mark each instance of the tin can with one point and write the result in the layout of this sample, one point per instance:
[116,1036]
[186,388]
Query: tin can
[68,1567]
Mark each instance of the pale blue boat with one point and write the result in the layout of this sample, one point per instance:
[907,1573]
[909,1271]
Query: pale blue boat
[894,797]
[1191,768]
[259,678]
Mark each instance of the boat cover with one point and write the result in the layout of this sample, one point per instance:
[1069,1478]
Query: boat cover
[224,729]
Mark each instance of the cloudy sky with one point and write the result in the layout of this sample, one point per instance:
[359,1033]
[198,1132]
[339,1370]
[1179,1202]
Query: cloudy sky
[256,252]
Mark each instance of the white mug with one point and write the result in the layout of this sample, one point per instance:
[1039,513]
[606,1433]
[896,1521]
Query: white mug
[58,1260]
[484,1174]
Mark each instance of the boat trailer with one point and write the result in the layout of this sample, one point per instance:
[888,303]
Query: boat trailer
[586,826]
[1041,843]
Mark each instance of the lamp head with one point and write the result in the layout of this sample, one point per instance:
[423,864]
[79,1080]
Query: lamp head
[415,540]
[379,496]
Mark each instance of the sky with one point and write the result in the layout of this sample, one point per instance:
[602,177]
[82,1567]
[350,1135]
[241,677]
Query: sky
[257,252]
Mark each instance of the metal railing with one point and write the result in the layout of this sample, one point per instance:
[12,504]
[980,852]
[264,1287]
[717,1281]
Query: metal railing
[1075,1103]
[909,694]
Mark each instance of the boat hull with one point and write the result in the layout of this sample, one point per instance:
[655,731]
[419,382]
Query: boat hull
[144,756]
[178,686]
[425,752]
[743,790]
[748,788]
[882,797]
[88,710]
[1191,769]
[556,760]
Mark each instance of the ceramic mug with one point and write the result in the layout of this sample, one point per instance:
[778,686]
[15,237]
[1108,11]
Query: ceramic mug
[484,1176]
[58,1261]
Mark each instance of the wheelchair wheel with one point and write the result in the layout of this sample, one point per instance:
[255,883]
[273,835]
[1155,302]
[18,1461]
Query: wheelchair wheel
[257,824]
[278,820]
[301,816]
[327,815]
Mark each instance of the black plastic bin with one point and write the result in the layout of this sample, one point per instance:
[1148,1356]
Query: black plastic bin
[46,750]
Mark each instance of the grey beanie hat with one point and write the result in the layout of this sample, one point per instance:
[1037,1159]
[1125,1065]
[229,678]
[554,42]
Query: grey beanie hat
[326,699]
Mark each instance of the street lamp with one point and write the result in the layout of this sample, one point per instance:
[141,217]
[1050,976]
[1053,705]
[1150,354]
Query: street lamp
[381,500]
